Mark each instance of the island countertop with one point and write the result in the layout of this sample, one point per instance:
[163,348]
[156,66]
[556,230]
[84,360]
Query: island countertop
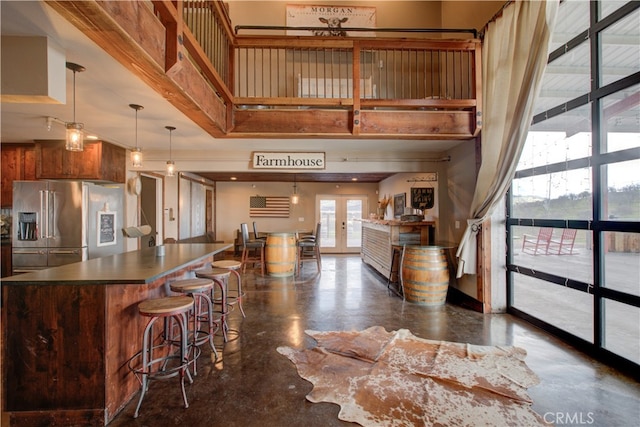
[141,266]
[70,331]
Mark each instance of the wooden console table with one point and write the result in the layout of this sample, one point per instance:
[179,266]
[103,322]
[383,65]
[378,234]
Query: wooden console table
[379,237]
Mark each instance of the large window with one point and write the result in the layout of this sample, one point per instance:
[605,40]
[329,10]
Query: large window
[573,223]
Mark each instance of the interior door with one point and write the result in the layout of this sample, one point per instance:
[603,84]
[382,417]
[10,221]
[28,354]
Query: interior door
[340,216]
[148,202]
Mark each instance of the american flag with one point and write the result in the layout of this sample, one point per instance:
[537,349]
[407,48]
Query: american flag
[269,206]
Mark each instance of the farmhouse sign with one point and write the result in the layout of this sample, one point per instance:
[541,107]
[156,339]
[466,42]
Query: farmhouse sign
[277,160]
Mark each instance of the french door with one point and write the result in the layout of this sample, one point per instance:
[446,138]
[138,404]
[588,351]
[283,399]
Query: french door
[341,229]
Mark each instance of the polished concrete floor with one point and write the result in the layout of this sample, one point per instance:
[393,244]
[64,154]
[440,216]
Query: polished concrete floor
[253,385]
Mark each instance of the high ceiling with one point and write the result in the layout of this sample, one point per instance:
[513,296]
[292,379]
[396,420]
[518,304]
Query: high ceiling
[104,91]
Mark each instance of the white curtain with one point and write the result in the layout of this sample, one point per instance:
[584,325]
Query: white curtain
[514,57]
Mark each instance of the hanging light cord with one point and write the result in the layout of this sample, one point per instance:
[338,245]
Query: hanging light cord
[74,96]
[136,128]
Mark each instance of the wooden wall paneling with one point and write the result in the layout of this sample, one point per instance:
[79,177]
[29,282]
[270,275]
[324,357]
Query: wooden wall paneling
[47,327]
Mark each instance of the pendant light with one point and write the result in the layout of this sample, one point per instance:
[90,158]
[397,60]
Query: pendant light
[75,137]
[295,197]
[171,165]
[136,153]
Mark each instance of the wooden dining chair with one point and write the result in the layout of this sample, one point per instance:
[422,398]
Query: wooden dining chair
[249,246]
[256,235]
[309,249]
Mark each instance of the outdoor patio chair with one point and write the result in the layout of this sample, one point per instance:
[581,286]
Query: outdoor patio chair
[537,245]
[564,246]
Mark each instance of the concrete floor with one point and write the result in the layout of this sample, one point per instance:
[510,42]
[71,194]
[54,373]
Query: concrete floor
[253,385]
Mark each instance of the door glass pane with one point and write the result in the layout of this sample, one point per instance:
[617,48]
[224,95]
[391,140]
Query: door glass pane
[561,195]
[354,223]
[572,19]
[622,329]
[563,307]
[328,220]
[566,78]
[622,183]
[621,115]
[563,254]
[558,139]
[619,49]
[622,262]
[609,6]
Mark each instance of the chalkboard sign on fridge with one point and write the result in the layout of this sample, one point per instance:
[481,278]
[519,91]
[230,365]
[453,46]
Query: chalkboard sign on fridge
[106,228]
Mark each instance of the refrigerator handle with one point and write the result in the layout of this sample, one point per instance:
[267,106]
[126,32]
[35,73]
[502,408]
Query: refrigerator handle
[44,231]
[51,206]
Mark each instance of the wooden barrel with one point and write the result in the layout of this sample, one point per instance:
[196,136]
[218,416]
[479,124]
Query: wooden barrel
[281,254]
[425,275]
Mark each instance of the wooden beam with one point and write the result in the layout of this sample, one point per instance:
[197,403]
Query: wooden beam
[132,35]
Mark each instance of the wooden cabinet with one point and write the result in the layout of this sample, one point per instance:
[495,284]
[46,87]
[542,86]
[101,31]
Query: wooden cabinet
[5,258]
[18,163]
[99,161]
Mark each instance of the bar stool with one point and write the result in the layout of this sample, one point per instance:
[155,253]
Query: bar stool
[199,289]
[394,271]
[161,367]
[220,277]
[234,267]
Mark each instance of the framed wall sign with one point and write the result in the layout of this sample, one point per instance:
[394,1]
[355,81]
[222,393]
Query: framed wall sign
[282,160]
[422,198]
[106,228]
[399,201]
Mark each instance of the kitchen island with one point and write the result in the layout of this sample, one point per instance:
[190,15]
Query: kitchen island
[69,331]
[380,236]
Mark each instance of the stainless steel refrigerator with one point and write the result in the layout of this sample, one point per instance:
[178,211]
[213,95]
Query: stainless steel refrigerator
[61,222]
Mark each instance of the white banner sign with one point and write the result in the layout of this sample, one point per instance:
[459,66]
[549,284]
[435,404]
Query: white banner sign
[330,20]
[276,160]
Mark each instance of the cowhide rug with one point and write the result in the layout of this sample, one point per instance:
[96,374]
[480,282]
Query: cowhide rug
[382,378]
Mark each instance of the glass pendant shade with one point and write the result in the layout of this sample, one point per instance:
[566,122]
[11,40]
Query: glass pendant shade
[136,158]
[171,165]
[171,168]
[136,153]
[75,137]
[295,197]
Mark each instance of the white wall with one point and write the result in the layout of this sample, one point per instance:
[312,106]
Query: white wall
[460,186]
[232,204]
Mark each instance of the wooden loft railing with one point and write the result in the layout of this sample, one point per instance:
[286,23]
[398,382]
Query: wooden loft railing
[296,86]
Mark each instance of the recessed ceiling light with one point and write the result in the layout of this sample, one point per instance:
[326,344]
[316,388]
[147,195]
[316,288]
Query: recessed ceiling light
[354,179]
[233,178]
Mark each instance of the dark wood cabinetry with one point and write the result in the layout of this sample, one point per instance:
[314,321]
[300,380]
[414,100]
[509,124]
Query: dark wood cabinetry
[18,163]
[5,258]
[99,161]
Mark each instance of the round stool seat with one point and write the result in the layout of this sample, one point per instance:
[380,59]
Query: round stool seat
[227,263]
[158,360]
[213,273]
[165,306]
[235,267]
[192,285]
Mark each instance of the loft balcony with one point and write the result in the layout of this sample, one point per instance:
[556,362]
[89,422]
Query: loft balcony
[275,86]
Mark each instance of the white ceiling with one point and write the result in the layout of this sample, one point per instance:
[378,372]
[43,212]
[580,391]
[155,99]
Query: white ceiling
[105,90]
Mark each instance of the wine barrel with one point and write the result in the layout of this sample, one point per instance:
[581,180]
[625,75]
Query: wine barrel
[425,275]
[281,254]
